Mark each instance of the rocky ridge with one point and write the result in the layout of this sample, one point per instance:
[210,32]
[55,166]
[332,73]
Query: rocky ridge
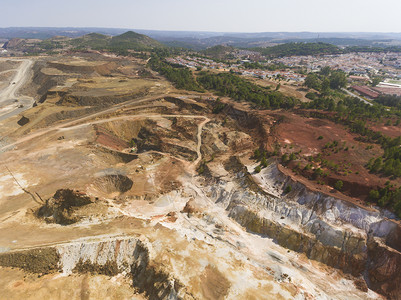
[336,233]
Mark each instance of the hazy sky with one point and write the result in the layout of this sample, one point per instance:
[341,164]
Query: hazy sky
[207,15]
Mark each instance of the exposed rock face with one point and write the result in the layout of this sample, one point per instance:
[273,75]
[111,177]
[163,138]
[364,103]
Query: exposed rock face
[43,82]
[157,139]
[113,183]
[384,269]
[152,280]
[63,206]
[106,256]
[183,104]
[15,42]
[334,232]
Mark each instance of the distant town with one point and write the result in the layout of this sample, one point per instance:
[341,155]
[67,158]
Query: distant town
[361,68]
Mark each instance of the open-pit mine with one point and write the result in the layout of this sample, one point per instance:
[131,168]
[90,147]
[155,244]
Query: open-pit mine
[116,185]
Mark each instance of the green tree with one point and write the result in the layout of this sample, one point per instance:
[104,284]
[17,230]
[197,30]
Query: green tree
[256,154]
[325,71]
[337,79]
[312,81]
[376,80]
[325,86]
[338,185]
[377,164]
[317,173]
[374,195]
[263,162]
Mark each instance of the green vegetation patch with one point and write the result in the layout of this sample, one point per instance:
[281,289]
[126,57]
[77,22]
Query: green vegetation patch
[44,260]
[300,49]
[181,77]
[237,88]
[110,268]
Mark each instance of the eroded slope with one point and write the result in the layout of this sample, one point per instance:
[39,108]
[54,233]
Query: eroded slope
[158,194]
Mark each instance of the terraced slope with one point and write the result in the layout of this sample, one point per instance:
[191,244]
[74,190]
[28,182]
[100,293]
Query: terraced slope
[154,196]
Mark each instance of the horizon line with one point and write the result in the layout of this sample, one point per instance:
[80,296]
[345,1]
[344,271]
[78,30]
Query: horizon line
[206,31]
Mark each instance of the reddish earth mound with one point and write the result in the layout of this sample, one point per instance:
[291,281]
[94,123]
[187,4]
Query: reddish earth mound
[392,130]
[319,143]
[107,139]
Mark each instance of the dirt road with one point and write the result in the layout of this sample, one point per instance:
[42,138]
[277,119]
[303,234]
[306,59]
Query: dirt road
[17,82]
[74,124]
[10,102]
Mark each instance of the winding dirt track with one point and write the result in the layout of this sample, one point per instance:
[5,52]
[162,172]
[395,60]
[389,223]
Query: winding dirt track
[18,81]
[77,123]
[10,93]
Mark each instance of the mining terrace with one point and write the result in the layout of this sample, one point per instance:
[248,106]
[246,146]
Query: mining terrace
[116,185]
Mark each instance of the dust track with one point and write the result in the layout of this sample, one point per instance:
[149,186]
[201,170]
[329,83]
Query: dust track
[9,95]
[18,80]
[84,121]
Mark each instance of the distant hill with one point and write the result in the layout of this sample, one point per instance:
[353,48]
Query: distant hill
[133,40]
[95,41]
[346,42]
[219,52]
[202,40]
[292,49]
[49,32]
[91,40]
[22,44]
[13,43]
[183,45]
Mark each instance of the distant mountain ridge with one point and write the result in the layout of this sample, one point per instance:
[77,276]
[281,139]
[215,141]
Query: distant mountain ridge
[196,40]
[73,32]
[49,32]
[127,41]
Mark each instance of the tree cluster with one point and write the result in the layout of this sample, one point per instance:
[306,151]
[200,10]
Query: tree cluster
[387,197]
[299,49]
[389,100]
[237,88]
[181,77]
[325,80]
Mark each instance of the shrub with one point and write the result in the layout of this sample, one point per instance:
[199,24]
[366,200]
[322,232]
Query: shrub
[264,162]
[311,96]
[288,189]
[338,185]
[256,154]
[317,173]
[374,194]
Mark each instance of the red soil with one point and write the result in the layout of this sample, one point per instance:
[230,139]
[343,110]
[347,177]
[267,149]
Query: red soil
[108,140]
[297,133]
